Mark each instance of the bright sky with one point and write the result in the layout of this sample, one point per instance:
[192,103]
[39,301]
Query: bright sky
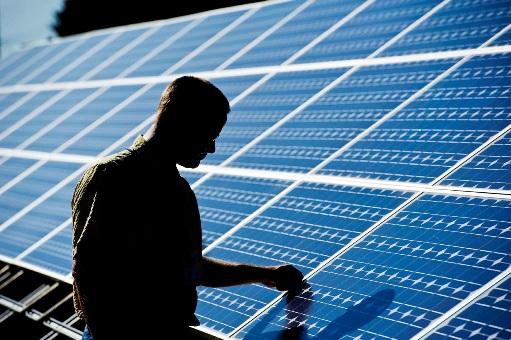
[25,21]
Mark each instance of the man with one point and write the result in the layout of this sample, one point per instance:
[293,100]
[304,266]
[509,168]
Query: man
[136,228]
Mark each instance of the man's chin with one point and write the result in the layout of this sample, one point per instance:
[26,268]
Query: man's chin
[189,163]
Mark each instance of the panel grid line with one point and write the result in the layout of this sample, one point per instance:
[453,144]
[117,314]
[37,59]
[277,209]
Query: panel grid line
[263,70]
[283,176]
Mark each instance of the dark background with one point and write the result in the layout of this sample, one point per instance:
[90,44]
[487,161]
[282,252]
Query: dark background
[78,16]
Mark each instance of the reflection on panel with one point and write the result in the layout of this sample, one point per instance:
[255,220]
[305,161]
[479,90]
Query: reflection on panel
[43,217]
[339,116]
[296,33]
[225,201]
[438,128]
[369,30]
[232,42]
[267,105]
[303,228]
[460,24]
[487,318]
[490,169]
[402,276]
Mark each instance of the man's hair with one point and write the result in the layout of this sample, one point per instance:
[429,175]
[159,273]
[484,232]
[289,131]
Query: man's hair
[190,101]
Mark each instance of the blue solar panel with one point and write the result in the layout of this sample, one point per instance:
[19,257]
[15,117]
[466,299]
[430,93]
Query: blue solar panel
[405,274]
[321,163]
[183,46]
[297,33]
[437,129]
[20,109]
[339,116]
[460,24]
[54,253]
[79,120]
[488,318]
[7,100]
[234,41]
[18,60]
[55,70]
[133,56]
[102,55]
[48,116]
[490,169]
[12,167]
[40,220]
[265,106]
[226,201]
[304,228]
[369,30]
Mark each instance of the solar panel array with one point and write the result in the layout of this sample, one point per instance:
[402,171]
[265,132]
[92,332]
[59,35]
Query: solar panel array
[368,145]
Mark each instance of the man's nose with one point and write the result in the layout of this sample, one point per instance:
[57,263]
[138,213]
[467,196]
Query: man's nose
[211,147]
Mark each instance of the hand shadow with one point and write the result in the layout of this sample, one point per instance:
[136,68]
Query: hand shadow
[297,309]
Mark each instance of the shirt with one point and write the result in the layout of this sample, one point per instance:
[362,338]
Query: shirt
[136,245]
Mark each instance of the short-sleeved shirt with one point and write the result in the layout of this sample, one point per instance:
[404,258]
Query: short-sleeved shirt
[136,245]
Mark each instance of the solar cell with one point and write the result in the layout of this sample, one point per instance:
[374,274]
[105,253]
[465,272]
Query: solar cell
[226,201]
[265,106]
[489,169]
[304,228]
[53,254]
[487,318]
[404,274]
[239,37]
[19,59]
[369,30]
[296,33]
[339,116]
[22,136]
[115,42]
[202,30]
[129,61]
[437,129]
[460,24]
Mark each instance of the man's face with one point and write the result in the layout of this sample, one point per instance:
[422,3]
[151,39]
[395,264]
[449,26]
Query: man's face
[196,145]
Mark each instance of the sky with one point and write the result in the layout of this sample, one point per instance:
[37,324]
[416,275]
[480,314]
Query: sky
[25,21]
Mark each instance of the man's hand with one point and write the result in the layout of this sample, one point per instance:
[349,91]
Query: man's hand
[285,278]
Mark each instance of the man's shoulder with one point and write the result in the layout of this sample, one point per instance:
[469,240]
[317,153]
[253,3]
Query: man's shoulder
[104,169]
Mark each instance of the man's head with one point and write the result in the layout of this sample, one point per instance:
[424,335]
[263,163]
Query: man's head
[190,116]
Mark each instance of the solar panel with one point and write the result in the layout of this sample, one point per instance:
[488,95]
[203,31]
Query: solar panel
[368,145]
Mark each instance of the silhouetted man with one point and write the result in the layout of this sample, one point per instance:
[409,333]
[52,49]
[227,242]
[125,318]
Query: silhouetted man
[136,228]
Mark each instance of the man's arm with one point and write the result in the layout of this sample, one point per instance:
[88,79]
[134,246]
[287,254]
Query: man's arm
[217,273]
